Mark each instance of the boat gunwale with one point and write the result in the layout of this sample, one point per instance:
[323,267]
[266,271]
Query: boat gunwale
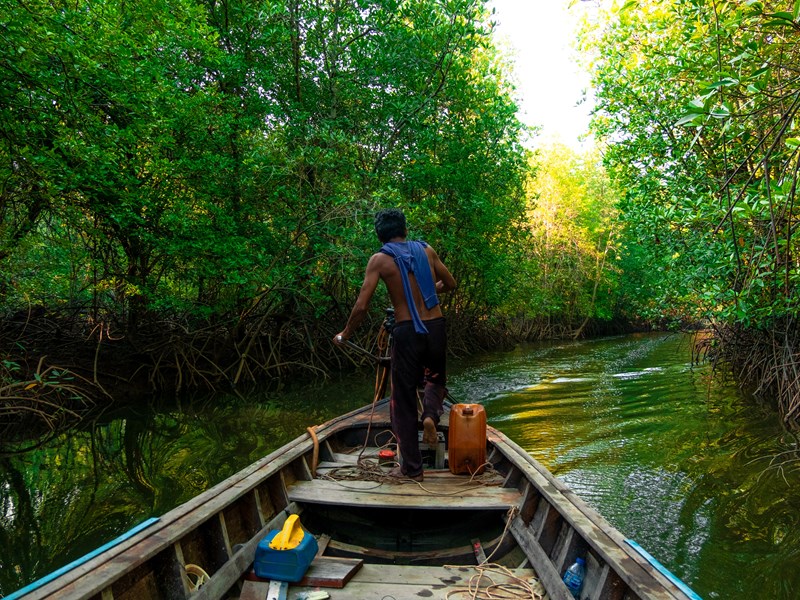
[195,511]
[562,498]
[599,535]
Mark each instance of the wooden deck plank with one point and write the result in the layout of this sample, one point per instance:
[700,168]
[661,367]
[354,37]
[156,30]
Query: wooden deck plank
[551,578]
[324,571]
[406,495]
[381,581]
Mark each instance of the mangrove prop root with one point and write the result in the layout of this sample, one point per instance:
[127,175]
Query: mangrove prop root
[175,355]
[764,362]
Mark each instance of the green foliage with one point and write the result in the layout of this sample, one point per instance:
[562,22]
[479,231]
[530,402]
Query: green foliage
[570,264]
[698,102]
[207,160]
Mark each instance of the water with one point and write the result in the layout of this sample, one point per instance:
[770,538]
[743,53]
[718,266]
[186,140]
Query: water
[698,474]
[88,486]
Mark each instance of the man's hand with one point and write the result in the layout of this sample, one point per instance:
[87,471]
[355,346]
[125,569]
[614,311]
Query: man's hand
[339,339]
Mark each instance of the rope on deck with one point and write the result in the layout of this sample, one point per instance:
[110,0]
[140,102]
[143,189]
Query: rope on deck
[496,582]
[369,469]
[482,586]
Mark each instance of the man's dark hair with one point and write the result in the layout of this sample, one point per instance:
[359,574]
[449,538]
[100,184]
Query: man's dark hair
[390,223]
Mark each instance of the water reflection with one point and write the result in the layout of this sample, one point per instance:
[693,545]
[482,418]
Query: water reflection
[700,476]
[679,462]
[86,487]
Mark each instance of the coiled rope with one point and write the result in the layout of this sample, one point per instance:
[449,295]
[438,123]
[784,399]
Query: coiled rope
[510,586]
[498,583]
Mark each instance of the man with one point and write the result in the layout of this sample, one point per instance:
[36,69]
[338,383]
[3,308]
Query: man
[413,274]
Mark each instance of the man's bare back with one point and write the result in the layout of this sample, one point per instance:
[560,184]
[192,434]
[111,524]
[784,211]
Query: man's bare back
[390,274]
[382,267]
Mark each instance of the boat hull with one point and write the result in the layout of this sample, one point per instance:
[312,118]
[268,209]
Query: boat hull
[521,517]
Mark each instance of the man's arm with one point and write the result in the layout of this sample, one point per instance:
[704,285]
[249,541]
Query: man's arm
[371,278]
[445,282]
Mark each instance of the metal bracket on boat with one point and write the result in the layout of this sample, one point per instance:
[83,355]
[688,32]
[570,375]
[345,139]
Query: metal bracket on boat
[278,590]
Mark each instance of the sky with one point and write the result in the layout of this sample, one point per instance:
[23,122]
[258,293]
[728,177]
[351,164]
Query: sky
[550,84]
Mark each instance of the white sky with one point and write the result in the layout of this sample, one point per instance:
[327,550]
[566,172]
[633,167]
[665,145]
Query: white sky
[550,84]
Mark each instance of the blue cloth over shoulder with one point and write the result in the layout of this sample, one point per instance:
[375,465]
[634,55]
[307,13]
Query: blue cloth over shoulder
[410,257]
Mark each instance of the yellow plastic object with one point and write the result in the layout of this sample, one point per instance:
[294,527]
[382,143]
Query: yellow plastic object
[290,536]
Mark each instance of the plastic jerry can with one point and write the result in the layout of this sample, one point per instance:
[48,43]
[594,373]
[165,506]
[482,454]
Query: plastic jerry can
[285,555]
[466,439]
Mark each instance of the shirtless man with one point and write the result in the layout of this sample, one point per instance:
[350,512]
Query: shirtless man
[413,274]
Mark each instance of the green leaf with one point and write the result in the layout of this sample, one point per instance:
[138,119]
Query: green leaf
[696,137]
[778,22]
[721,111]
[689,118]
[724,82]
[782,15]
[740,57]
[793,143]
[699,104]
[796,10]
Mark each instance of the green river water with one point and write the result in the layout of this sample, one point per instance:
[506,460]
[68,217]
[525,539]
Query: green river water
[697,473]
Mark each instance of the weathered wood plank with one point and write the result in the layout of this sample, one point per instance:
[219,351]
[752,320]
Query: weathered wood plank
[331,572]
[563,546]
[322,543]
[324,571]
[607,542]
[454,555]
[381,581]
[539,518]
[254,590]
[477,548]
[181,561]
[428,495]
[596,577]
[550,578]
[410,575]
[374,591]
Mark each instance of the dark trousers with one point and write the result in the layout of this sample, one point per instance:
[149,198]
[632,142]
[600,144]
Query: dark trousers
[416,358]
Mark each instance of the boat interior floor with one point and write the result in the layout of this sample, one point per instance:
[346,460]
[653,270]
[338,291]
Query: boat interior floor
[353,480]
[415,539]
[381,582]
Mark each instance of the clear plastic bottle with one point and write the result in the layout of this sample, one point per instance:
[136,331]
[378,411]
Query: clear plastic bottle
[573,577]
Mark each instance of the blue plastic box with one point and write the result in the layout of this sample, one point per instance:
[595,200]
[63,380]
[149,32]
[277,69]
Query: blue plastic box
[284,565]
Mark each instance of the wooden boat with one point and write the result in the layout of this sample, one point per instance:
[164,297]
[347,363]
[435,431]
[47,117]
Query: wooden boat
[391,540]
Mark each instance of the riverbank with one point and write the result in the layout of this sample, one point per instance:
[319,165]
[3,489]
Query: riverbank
[57,368]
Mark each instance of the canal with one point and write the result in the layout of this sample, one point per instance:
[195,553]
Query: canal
[698,473]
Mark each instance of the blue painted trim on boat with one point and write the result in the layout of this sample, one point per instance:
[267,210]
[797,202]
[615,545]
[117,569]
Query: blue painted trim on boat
[663,570]
[75,563]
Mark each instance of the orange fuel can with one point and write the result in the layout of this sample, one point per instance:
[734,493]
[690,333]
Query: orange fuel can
[466,439]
